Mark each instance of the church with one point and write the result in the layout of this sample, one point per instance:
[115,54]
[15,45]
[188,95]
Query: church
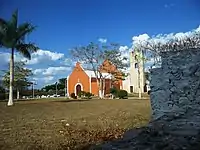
[82,79]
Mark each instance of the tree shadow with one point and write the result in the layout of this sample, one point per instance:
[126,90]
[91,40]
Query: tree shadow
[69,101]
[46,100]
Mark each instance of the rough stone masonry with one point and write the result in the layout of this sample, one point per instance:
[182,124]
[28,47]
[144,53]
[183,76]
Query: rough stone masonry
[175,87]
[175,102]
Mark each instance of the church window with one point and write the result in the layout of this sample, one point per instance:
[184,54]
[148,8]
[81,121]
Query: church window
[131,89]
[135,57]
[136,65]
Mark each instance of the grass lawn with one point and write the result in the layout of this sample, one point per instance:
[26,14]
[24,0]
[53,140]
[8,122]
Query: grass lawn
[68,124]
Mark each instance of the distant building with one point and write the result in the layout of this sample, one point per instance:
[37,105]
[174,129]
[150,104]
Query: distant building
[131,83]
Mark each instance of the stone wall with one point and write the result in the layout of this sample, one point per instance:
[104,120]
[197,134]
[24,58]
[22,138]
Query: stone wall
[175,101]
[175,87]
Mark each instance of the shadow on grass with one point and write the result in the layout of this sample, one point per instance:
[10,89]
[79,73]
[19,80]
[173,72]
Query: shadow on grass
[67,101]
[50,100]
[3,101]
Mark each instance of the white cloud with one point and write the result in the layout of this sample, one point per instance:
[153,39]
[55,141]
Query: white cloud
[197,29]
[35,78]
[48,79]
[163,38]
[125,54]
[124,51]
[51,71]
[43,56]
[169,5]
[102,40]
[35,57]
[123,48]
[44,80]
[38,71]
[167,37]
[140,38]
[47,66]
[4,57]
[55,70]
[68,62]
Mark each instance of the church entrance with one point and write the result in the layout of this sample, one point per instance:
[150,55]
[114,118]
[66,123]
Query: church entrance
[78,89]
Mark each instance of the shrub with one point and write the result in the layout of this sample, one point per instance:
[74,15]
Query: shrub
[83,93]
[136,94]
[88,95]
[114,91]
[79,94]
[122,94]
[2,96]
[73,96]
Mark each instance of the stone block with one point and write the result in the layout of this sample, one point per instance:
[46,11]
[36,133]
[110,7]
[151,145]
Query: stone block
[175,85]
[183,101]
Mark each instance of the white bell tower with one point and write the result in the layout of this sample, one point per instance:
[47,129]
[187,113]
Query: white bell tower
[134,66]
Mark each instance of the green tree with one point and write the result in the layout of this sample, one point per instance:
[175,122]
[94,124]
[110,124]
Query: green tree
[52,87]
[47,88]
[2,93]
[61,83]
[20,79]
[12,36]
[2,89]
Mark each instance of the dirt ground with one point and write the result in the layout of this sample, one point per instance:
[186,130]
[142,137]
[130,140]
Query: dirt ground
[68,124]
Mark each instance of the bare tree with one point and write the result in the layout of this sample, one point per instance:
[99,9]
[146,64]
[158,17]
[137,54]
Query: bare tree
[191,41]
[96,57]
[155,47]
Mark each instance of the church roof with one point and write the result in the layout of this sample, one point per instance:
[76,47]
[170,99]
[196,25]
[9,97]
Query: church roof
[91,74]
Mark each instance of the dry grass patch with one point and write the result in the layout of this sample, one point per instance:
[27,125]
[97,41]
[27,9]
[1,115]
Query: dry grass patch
[57,124]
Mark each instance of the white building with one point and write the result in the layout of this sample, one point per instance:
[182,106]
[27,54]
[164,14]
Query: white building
[131,83]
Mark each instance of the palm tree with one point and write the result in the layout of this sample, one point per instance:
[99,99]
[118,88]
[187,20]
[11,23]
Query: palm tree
[12,36]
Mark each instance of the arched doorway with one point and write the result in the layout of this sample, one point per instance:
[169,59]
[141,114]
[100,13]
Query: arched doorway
[78,89]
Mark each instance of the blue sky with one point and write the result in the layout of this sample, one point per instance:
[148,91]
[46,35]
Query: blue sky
[63,24]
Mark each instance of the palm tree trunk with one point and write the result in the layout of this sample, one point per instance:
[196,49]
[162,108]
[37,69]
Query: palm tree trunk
[10,101]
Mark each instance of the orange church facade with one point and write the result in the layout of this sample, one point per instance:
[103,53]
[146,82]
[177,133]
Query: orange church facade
[81,79]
